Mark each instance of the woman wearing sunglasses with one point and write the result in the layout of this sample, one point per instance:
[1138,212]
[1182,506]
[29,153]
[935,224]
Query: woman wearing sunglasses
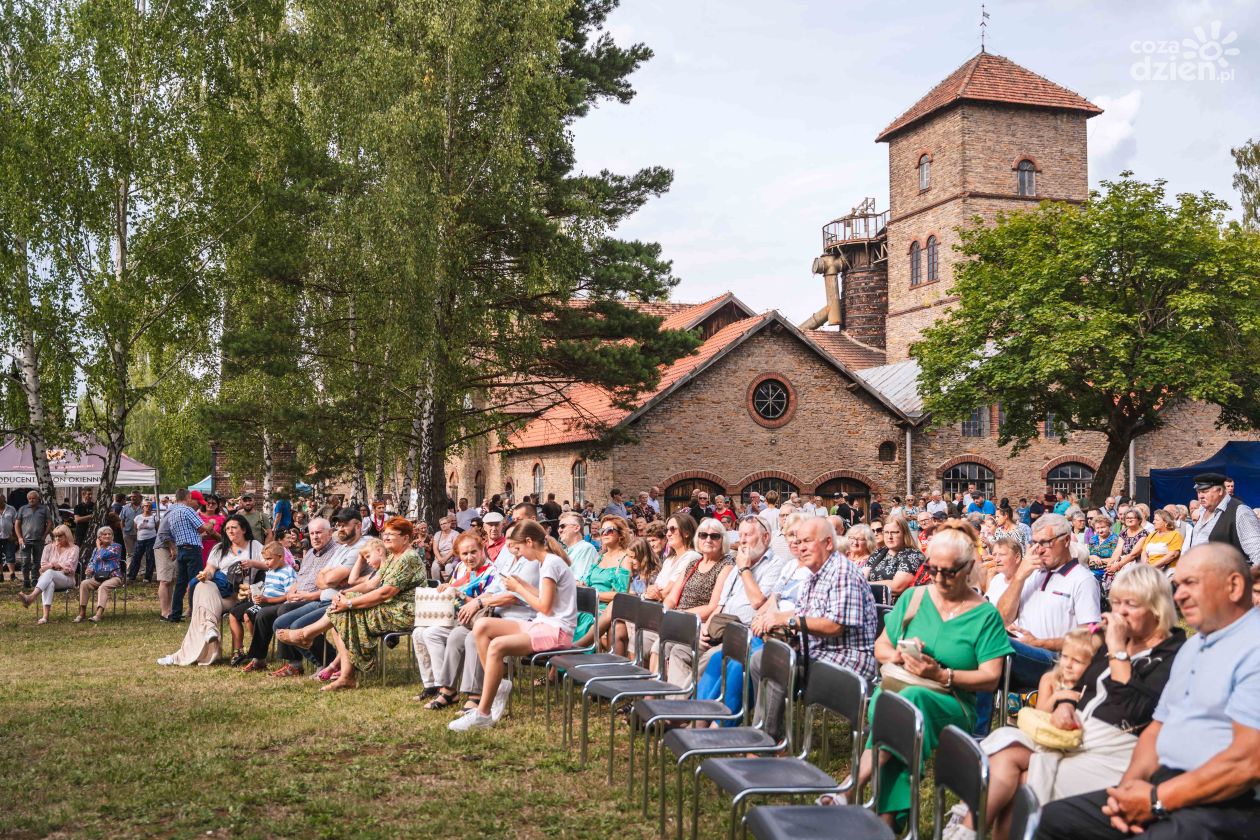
[609,575]
[952,643]
[698,589]
[680,533]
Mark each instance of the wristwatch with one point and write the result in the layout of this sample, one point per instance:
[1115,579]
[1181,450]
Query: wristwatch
[1158,811]
[1122,656]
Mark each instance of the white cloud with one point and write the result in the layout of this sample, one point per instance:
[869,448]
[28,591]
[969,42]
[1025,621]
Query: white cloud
[1112,142]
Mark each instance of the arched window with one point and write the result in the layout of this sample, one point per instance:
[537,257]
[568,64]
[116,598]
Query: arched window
[579,483]
[452,485]
[932,260]
[1026,177]
[538,480]
[1071,478]
[957,478]
[859,493]
[888,451]
[479,488]
[916,265]
[925,171]
[765,485]
[678,494]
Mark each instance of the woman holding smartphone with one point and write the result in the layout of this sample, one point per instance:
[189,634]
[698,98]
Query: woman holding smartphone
[554,599]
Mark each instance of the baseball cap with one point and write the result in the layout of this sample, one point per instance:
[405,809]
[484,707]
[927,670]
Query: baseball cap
[346,515]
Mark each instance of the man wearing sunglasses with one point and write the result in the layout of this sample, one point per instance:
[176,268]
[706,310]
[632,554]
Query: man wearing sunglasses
[1050,595]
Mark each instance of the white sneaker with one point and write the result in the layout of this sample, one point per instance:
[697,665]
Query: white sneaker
[958,832]
[500,700]
[837,799]
[166,660]
[212,635]
[472,719]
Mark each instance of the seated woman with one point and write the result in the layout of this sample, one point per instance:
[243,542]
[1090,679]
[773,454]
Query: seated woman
[1111,700]
[431,643]
[359,619]
[278,582]
[1102,544]
[680,533]
[1163,547]
[104,574]
[238,551]
[955,639]
[609,575]
[57,567]
[896,569]
[864,546]
[555,600]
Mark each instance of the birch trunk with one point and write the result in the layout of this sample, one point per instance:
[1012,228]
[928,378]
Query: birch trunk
[32,389]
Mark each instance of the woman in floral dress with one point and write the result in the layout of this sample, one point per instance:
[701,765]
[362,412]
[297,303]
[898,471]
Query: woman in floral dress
[360,619]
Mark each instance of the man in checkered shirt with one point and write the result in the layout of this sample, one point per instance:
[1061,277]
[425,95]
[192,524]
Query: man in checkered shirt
[835,605]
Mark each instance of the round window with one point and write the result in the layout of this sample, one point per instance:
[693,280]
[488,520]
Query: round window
[770,399]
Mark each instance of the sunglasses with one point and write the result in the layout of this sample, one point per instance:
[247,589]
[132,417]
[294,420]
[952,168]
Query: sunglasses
[947,574]
[709,535]
[878,530]
[672,529]
[605,532]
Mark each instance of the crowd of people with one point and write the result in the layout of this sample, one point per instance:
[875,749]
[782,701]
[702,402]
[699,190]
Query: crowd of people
[1087,606]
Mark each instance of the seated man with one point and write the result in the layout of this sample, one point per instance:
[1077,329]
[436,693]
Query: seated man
[1196,769]
[834,603]
[306,592]
[1050,594]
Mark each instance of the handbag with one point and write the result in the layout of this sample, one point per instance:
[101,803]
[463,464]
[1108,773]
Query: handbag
[434,608]
[1036,725]
[718,623]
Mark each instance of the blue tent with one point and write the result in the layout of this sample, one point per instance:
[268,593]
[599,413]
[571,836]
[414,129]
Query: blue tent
[203,485]
[1238,459]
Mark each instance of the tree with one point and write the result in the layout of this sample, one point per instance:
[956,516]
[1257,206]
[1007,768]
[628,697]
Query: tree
[1247,181]
[464,224]
[1105,315]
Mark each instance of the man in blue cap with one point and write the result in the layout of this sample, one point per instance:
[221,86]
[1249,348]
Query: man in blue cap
[1224,519]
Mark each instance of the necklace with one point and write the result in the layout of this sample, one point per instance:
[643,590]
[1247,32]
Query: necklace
[946,615]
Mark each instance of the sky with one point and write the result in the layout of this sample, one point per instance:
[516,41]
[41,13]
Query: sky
[767,113]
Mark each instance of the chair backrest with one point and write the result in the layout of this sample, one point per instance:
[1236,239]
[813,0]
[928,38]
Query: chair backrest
[881,617]
[736,640]
[962,768]
[679,629]
[776,691]
[898,728]
[1025,814]
[1003,710]
[648,616]
[843,692]
[882,594]
[588,601]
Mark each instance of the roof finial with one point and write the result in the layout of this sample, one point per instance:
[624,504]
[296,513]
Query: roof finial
[984,16]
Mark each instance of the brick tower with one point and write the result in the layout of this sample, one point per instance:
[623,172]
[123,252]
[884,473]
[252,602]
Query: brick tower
[992,136]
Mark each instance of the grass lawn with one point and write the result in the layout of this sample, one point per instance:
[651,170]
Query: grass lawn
[101,742]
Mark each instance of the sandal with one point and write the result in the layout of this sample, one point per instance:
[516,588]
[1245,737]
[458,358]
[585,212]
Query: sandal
[472,703]
[291,637]
[238,656]
[288,669]
[78,619]
[440,702]
[329,673]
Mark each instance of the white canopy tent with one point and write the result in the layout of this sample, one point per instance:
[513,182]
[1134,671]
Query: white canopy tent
[71,469]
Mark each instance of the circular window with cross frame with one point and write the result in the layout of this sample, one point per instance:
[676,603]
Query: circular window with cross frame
[771,400]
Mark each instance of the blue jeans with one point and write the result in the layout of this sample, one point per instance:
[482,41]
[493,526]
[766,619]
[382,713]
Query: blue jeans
[1027,666]
[711,681]
[295,619]
[188,564]
[143,549]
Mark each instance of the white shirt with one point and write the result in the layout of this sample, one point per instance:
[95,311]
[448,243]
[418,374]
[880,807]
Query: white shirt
[564,605]
[770,516]
[673,567]
[526,570]
[463,519]
[1053,603]
[734,599]
[997,586]
[655,504]
[938,505]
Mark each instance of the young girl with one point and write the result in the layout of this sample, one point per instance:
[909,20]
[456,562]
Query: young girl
[1060,681]
[643,566]
[555,600]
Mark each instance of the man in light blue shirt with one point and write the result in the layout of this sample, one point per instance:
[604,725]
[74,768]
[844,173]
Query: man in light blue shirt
[582,554]
[1196,769]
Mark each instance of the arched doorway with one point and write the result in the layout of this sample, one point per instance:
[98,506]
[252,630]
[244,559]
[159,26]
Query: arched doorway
[678,494]
[959,477]
[765,485]
[860,493]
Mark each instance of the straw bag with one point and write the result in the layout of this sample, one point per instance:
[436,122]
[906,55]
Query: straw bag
[1036,725]
[435,608]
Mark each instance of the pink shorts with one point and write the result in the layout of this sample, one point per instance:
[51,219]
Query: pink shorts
[546,636]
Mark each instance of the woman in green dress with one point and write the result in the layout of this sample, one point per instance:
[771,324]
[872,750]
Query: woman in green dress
[963,645]
[608,576]
[360,619]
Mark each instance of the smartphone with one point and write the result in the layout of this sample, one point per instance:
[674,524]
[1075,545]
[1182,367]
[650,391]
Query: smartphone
[912,648]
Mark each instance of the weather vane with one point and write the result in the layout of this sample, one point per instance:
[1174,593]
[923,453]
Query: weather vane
[984,16]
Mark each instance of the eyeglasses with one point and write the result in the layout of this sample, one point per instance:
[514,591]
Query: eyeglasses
[1045,543]
[947,574]
[671,529]
[709,535]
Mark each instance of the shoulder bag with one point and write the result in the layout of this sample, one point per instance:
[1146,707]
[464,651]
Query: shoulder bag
[1036,725]
[894,677]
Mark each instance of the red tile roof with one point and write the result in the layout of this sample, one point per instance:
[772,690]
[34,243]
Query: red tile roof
[590,409]
[991,78]
[846,349]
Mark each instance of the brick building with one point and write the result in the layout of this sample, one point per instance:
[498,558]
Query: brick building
[764,404]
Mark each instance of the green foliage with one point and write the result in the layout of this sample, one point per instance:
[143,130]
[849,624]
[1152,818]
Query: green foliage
[1106,315]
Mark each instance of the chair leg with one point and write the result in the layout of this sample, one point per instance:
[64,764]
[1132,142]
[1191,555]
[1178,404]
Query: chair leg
[660,789]
[586,719]
[695,804]
[630,772]
[678,806]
